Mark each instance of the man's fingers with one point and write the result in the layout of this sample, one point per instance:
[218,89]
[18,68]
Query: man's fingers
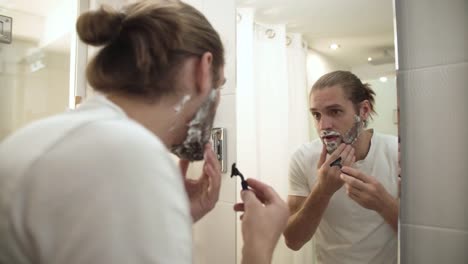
[184,164]
[239,207]
[355,173]
[214,180]
[241,217]
[263,191]
[335,155]
[210,157]
[353,182]
[348,157]
[249,199]
[323,157]
[354,195]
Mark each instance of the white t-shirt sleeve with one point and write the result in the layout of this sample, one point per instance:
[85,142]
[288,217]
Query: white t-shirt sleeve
[113,203]
[298,184]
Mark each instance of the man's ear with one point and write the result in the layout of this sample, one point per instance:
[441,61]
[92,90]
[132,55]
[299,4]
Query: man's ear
[204,75]
[364,110]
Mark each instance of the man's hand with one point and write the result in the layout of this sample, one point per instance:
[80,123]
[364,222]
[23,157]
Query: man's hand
[365,190]
[370,194]
[264,219]
[203,192]
[329,180]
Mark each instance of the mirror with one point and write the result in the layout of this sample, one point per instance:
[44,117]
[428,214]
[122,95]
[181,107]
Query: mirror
[34,66]
[283,48]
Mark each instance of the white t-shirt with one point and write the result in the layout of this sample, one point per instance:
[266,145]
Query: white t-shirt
[349,233]
[91,186]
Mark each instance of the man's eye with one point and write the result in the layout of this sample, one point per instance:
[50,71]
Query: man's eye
[316,116]
[335,112]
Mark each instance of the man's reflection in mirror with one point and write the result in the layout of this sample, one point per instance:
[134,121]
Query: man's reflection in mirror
[350,210]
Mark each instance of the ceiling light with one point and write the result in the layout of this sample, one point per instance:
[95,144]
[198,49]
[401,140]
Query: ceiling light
[334,46]
[369,59]
[383,79]
[272,11]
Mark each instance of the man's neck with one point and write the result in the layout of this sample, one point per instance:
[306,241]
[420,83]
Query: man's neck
[363,144]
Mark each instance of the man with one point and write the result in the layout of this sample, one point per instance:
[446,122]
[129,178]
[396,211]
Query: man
[97,185]
[344,185]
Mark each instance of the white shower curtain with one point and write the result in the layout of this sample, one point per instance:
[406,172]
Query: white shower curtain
[271,82]
[299,125]
[272,109]
[297,87]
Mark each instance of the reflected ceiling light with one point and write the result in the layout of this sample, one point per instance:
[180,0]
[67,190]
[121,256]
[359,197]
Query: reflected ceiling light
[383,79]
[334,46]
[272,11]
[369,59]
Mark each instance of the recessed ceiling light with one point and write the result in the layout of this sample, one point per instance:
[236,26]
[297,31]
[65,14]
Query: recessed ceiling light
[369,59]
[272,11]
[383,79]
[334,46]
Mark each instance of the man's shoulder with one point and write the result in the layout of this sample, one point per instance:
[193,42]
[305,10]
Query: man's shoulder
[309,151]
[386,141]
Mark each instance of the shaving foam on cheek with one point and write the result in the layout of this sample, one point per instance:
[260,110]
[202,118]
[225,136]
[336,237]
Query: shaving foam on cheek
[199,131]
[353,133]
[181,104]
[178,107]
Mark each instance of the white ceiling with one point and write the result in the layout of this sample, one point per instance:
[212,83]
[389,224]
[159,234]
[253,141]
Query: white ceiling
[30,21]
[32,7]
[362,28]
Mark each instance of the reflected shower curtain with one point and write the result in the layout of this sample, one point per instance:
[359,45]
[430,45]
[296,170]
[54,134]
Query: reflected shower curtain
[298,95]
[299,130]
[271,109]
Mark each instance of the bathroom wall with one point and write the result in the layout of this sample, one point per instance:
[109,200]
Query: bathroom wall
[34,84]
[432,84]
[215,234]
[382,79]
[34,67]
[385,121]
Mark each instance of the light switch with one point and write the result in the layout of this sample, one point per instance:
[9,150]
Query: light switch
[5,29]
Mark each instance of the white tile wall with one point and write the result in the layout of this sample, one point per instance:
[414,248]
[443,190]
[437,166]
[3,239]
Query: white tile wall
[435,154]
[225,117]
[429,245]
[432,85]
[222,15]
[215,236]
[431,32]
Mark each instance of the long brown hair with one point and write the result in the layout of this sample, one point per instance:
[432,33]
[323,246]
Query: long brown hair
[144,45]
[354,89]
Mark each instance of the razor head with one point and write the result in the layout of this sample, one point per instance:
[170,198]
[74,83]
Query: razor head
[234,170]
[337,163]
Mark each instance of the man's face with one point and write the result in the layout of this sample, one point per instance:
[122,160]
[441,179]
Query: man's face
[336,119]
[199,128]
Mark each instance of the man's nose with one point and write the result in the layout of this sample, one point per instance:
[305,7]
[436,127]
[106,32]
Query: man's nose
[325,123]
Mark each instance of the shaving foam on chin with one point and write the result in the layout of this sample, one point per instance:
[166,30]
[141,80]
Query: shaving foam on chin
[349,137]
